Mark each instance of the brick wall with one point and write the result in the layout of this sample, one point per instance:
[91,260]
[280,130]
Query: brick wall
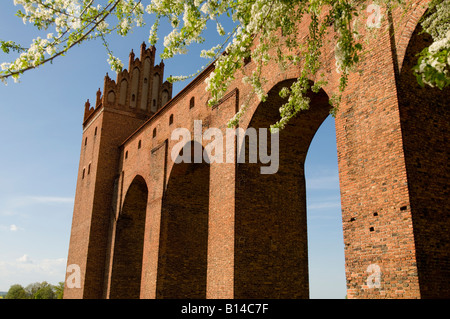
[247,231]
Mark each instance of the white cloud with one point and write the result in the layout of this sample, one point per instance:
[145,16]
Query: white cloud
[51,199]
[11,228]
[45,199]
[20,205]
[24,259]
[12,204]
[325,205]
[323,182]
[7,213]
[25,270]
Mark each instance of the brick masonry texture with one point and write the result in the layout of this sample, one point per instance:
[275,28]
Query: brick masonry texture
[145,227]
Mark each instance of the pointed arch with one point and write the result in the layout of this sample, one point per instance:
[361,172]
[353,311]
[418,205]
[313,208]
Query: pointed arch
[129,242]
[134,86]
[123,92]
[155,91]
[145,85]
[425,118]
[182,263]
[271,253]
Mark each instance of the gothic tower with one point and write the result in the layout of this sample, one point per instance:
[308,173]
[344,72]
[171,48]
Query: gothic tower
[124,106]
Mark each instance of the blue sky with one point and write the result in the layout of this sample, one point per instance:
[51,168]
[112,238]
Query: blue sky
[40,138]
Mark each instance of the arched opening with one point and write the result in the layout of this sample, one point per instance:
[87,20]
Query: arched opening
[123,91]
[164,97]
[326,256]
[155,91]
[271,244]
[425,121]
[182,261]
[134,87]
[129,243]
[111,97]
[145,86]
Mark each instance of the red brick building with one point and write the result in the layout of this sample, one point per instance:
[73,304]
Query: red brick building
[146,227]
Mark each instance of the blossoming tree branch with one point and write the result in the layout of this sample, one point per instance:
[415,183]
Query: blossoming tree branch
[67,23]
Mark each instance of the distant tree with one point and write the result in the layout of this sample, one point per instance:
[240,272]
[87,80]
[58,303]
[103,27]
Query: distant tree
[37,290]
[59,290]
[46,291]
[16,292]
[31,289]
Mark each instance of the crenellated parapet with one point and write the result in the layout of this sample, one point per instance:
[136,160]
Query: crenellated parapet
[139,89]
[88,110]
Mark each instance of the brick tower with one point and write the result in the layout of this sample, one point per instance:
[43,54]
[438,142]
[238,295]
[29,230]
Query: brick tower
[124,106]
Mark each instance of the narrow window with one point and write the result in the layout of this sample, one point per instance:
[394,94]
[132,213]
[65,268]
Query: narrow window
[139,144]
[85,141]
[171,119]
[191,103]
[95,132]
[154,132]
[89,168]
[82,176]
[133,98]
[126,154]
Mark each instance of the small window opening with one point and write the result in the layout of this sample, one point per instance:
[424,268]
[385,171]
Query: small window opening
[133,98]
[126,154]
[139,144]
[154,132]
[403,208]
[375,214]
[192,103]
[95,132]
[85,141]
[89,168]
[171,119]
[82,176]
[371,229]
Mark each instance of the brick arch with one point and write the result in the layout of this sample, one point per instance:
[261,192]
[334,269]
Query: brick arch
[271,257]
[129,242]
[425,114]
[182,260]
[408,28]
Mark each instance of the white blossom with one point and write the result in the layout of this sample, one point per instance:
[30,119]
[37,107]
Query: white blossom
[255,33]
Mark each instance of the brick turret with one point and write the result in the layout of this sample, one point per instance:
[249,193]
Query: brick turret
[139,89]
